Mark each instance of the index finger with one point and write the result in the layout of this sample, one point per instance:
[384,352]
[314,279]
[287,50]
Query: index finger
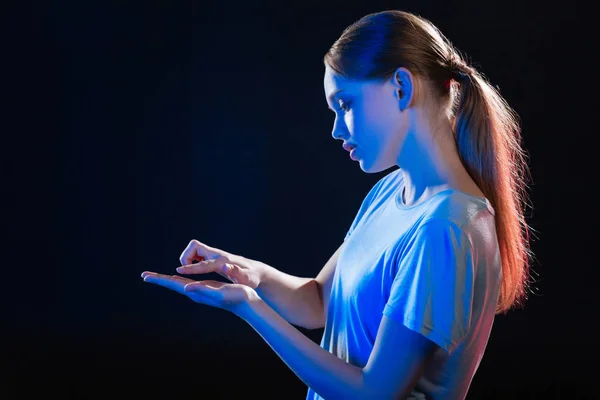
[196,251]
[204,267]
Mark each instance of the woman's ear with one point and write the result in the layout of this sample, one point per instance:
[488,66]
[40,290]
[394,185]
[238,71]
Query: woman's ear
[404,87]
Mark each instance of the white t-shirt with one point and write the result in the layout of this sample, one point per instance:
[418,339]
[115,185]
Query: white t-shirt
[435,267]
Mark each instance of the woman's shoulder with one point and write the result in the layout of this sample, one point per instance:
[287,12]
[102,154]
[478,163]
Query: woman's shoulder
[461,209]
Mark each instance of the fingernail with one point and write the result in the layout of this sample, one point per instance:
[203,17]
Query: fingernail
[179,269]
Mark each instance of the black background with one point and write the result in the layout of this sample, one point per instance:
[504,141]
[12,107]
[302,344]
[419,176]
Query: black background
[131,128]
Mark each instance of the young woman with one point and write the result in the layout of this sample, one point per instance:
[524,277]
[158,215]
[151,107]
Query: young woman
[438,247]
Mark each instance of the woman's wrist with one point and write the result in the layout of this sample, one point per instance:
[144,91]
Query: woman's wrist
[247,308]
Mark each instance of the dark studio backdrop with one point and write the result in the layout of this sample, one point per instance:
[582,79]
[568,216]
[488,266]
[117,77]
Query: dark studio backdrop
[132,128]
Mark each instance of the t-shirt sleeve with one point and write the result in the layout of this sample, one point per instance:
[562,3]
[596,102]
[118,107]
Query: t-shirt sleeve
[365,205]
[432,291]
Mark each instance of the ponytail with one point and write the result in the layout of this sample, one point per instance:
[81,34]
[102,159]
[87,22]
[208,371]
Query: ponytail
[488,138]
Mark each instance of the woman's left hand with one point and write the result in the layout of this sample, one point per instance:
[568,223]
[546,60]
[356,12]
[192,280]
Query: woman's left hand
[228,296]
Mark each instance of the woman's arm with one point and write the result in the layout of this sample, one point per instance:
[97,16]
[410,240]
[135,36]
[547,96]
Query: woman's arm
[326,374]
[300,301]
[295,298]
[394,365]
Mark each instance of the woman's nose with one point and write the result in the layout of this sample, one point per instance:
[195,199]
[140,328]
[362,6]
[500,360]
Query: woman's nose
[339,131]
[336,134]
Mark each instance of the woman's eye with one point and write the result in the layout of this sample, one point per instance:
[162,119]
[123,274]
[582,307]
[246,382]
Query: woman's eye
[344,106]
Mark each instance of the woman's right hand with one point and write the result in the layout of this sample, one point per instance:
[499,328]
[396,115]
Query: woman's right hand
[236,268]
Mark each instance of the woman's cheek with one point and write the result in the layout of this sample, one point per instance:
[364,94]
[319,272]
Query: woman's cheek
[349,120]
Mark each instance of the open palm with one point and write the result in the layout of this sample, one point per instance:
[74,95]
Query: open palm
[228,296]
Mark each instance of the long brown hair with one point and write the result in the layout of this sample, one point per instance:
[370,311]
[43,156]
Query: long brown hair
[487,131]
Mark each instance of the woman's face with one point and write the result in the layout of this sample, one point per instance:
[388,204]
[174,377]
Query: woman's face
[368,116]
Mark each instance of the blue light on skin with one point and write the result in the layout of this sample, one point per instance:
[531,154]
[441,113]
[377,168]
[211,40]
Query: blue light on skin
[412,131]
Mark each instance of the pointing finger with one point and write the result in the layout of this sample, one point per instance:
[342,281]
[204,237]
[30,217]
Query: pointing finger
[192,253]
[199,251]
[203,267]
